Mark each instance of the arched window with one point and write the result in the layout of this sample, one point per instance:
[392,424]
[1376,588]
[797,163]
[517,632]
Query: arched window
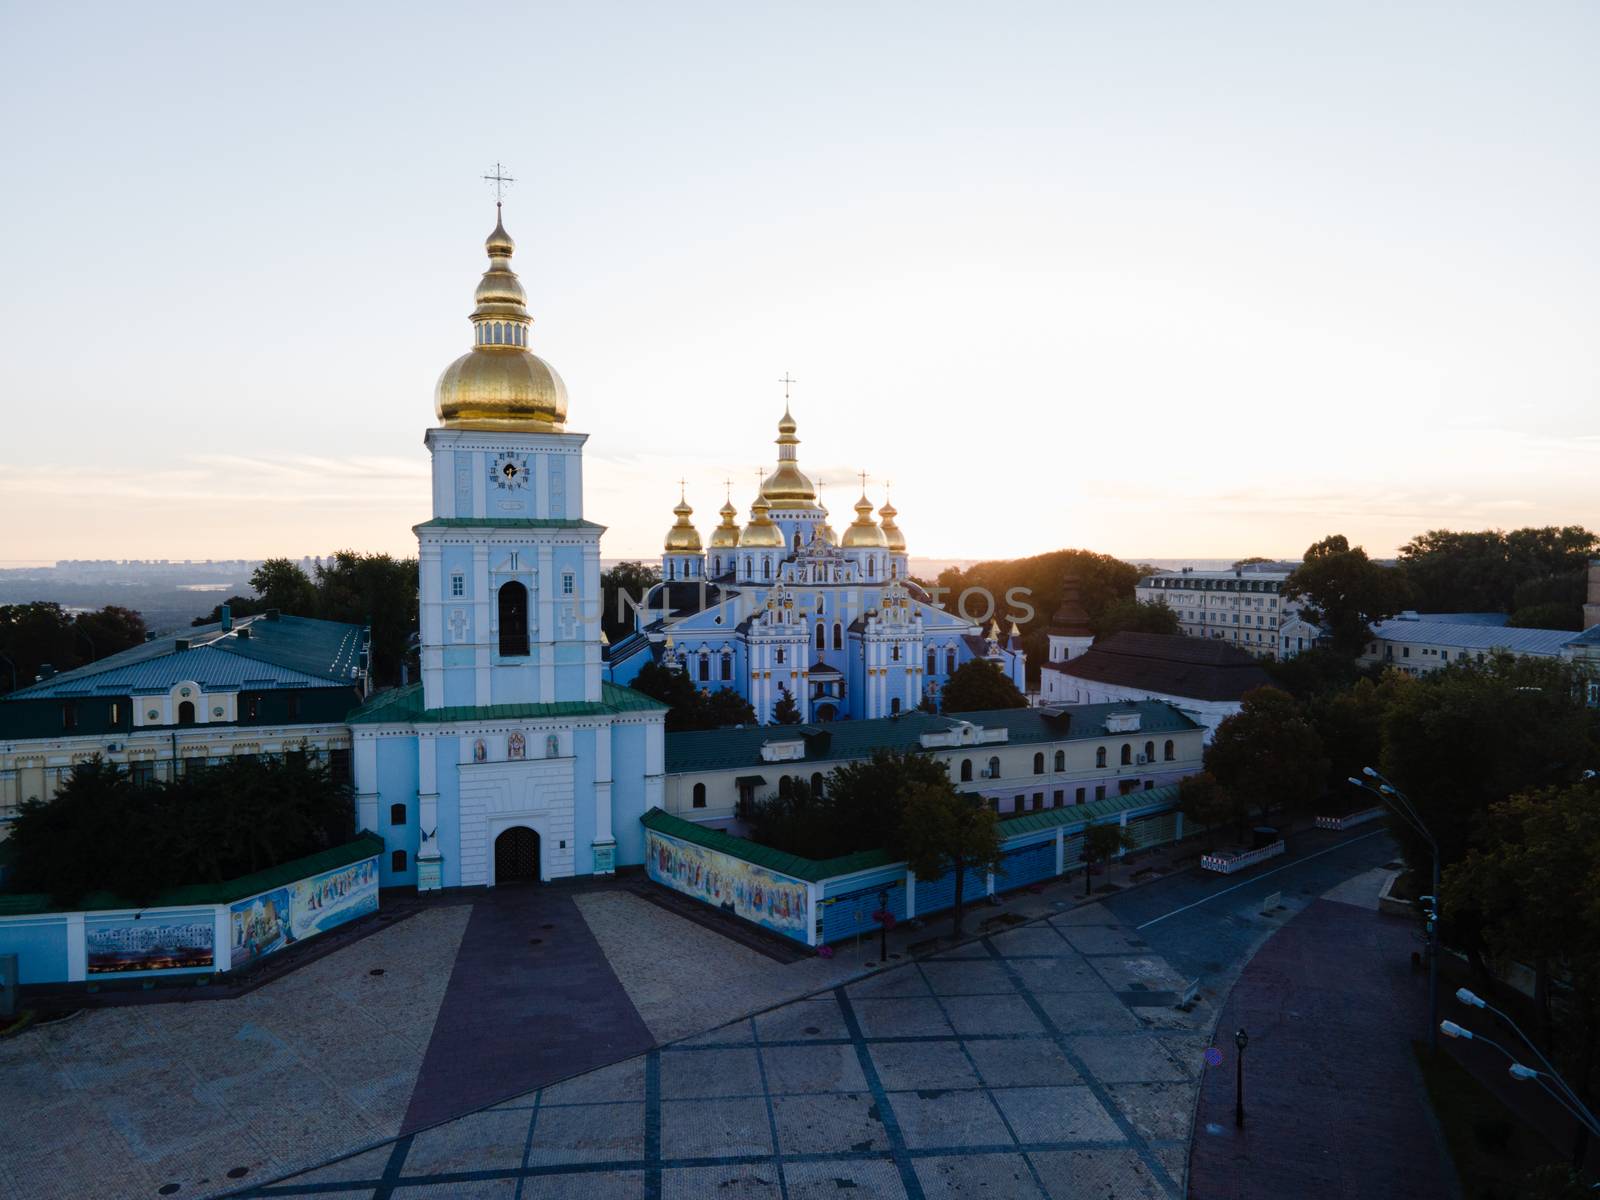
[699,795]
[397,814]
[1038,763]
[705,667]
[933,662]
[1167,751]
[1061,760]
[822,636]
[766,568]
[1127,754]
[785,786]
[872,572]
[797,540]
[513,619]
[894,706]
[1100,757]
[727,665]
[838,636]
[716,564]
[966,770]
[894,652]
[816,784]
[950,660]
[994,767]
[1149,752]
[397,861]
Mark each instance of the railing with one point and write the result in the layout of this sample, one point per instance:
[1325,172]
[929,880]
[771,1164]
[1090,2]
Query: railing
[1226,862]
[1350,821]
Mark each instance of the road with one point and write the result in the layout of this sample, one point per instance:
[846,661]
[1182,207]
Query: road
[1207,925]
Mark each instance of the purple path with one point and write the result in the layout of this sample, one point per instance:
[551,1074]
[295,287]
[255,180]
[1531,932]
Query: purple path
[1334,1104]
[518,1015]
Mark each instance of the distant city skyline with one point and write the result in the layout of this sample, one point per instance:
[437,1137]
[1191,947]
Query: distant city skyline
[1162,283]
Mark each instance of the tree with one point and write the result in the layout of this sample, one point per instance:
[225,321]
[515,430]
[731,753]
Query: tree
[785,711]
[1267,755]
[795,820]
[1206,803]
[238,606]
[1553,615]
[1346,591]
[1318,672]
[42,632]
[977,685]
[1102,843]
[1528,887]
[624,585]
[687,707]
[1350,724]
[943,830]
[369,589]
[866,795]
[1135,616]
[103,833]
[281,584]
[1482,571]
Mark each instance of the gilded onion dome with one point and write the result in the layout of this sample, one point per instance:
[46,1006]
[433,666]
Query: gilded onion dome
[892,536]
[683,537]
[863,533]
[787,487]
[498,384]
[762,533]
[726,535]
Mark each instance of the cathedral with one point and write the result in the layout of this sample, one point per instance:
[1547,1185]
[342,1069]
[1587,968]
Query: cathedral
[787,607]
[521,753]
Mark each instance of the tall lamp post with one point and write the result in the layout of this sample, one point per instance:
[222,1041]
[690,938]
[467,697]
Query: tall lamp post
[1396,800]
[1241,1039]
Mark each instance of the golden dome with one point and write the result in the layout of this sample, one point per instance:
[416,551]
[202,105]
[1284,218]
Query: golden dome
[683,537]
[498,384]
[761,533]
[788,487]
[892,536]
[726,535]
[863,533]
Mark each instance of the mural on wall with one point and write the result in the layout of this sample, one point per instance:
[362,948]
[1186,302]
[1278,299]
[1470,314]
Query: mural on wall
[747,891]
[266,923]
[516,746]
[152,942]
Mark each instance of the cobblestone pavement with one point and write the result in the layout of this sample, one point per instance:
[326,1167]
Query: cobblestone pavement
[1334,1103]
[1045,1061]
[126,1102]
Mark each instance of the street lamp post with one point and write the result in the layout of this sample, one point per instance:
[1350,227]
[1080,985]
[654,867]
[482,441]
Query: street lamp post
[1241,1039]
[1402,806]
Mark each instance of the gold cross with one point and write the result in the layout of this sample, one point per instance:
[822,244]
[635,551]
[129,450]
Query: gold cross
[786,381]
[863,483]
[501,181]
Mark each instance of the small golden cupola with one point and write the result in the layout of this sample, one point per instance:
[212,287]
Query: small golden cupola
[892,535]
[683,538]
[726,535]
[788,487]
[762,533]
[498,384]
[863,533]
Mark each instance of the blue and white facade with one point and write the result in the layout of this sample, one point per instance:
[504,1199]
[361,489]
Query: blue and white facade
[512,754]
[787,605]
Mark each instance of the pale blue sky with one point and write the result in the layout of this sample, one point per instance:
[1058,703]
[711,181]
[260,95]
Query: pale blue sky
[1157,280]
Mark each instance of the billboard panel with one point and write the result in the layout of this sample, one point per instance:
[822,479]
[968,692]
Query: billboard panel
[151,941]
[266,923]
[754,893]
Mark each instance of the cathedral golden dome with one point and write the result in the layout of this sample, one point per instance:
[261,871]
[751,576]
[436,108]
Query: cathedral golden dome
[893,538]
[726,535]
[498,384]
[788,487]
[863,533]
[683,537]
[762,533]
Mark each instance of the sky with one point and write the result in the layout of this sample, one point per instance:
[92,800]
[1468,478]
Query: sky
[1158,280]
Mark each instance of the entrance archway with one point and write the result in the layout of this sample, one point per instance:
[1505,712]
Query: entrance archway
[516,856]
[826,712]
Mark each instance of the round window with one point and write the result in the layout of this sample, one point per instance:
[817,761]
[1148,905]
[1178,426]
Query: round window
[217,711]
[152,714]
[184,692]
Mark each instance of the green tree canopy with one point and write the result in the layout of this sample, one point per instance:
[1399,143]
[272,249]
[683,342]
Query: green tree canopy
[1267,756]
[1135,616]
[621,588]
[1482,571]
[689,708]
[1102,843]
[42,632]
[785,711]
[1346,591]
[978,685]
[280,583]
[942,830]
[376,589]
[102,832]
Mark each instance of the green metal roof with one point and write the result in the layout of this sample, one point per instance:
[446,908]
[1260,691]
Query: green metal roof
[403,706]
[725,749]
[22,904]
[1092,813]
[809,869]
[504,523]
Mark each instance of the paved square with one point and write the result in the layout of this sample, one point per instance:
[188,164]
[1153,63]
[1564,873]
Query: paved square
[1006,1067]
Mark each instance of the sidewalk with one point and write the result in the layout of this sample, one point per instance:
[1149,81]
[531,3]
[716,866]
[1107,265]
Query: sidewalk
[1334,1104]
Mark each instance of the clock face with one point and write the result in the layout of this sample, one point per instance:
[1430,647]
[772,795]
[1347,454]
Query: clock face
[509,472]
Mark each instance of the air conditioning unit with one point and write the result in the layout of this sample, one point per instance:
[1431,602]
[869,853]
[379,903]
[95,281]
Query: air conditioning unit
[113,747]
[1142,759]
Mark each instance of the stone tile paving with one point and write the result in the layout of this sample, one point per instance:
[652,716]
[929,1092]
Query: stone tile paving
[951,1076]
[123,1102]
[1334,1104]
